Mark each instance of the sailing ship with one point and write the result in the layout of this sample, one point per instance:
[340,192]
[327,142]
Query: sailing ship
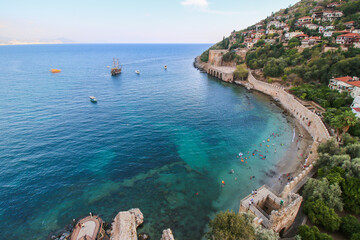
[115,70]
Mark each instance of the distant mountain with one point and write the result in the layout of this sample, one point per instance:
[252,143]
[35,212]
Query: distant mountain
[9,41]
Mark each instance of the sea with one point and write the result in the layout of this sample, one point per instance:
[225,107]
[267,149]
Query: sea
[176,143]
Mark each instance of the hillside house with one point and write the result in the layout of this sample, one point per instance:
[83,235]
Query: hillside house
[276,24]
[304,20]
[290,35]
[311,26]
[356,31]
[349,24]
[302,36]
[333,5]
[286,28]
[350,85]
[310,41]
[348,39]
[355,107]
[328,33]
[317,16]
[331,15]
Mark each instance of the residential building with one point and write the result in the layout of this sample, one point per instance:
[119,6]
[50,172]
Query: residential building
[349,24]
[331,15]
[350,85]
[356,31]
[311,26]
[306,19]
[301,36]
[290,35]
[355,106]
[276,24]
[317,16]
[333,5]
[348,39]
[310,41]
[328,33]
[330,27]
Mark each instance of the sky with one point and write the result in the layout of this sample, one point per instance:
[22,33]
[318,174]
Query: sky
[135,21]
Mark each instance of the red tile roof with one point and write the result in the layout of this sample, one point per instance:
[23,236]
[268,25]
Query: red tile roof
[357,109]
[302,35]
[305,18]
[350,35]
[347,80]
[344,79]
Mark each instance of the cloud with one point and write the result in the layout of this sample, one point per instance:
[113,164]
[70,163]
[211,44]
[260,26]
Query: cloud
[196,3]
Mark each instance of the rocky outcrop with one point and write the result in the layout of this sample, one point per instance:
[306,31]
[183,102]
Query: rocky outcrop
[167,235]
[125,224]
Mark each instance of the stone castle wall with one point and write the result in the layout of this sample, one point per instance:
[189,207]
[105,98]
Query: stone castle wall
[308,119]
[282,219]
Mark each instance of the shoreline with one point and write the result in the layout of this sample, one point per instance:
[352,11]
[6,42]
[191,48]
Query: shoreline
[293,160]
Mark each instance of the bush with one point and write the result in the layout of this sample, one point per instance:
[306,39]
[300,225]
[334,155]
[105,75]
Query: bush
[313,233]
[241,72]
[349,225]
[351,194]
[355,236]
[329,194]
[229,56]
[205,56]
[230,226]
[321,214]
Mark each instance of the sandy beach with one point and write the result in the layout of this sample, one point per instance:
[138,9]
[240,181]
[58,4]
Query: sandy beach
[292,163]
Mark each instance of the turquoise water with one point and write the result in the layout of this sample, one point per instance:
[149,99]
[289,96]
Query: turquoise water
[161,141]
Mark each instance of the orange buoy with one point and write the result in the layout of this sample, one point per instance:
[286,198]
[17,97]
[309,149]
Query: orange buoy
[223,182]
[55,70]
[242,160]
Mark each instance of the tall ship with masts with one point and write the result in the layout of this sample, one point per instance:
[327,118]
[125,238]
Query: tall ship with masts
[115,70]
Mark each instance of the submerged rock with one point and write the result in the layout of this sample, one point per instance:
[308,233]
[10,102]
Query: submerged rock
[144,236]
[167,235]
[125,224]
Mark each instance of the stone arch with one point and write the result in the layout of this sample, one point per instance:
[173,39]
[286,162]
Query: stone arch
[220,75]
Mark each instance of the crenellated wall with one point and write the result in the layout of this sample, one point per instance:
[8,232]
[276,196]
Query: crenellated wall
[308,119]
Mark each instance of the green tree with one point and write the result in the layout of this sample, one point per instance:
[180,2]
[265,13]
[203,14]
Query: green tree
[349,225]
[321,214]
[330,194]
[230,226]
[241,72]
[343,122]
[351,194]
[205,56]
[312,233]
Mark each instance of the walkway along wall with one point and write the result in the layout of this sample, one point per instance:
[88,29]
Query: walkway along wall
[308,119]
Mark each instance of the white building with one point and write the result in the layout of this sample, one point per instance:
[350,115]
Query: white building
[350,85]
[290,35]
[355,107]
[328,34]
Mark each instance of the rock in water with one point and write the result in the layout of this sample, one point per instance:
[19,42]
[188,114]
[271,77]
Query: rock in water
[167,235]
[144,236]
[125,224]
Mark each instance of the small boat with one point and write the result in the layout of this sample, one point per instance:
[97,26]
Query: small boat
[55,70]
[115,70]
[137,72]
[93,99]
[165,67]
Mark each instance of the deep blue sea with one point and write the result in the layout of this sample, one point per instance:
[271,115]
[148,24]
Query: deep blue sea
[162,141]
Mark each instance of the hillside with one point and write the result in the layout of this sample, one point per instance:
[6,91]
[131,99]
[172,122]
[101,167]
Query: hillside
[308,42]
[302,48]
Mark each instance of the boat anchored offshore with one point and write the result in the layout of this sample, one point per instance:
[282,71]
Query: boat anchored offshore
[93,99]
[115,70]
[137,72]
